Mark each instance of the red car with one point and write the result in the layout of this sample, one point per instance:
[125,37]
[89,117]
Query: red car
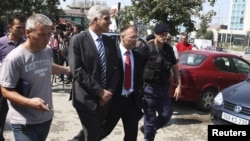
[205,73]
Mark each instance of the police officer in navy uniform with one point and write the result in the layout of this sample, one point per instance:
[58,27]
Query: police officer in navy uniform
[158,58]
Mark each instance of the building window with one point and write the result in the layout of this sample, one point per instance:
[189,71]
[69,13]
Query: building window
[241,20]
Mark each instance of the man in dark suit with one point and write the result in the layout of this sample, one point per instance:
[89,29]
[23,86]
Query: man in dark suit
[93,83]
[126,104]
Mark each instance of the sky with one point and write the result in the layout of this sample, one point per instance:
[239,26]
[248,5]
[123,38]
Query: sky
[221,7]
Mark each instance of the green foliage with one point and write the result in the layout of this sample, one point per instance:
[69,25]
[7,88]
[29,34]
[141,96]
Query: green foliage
[205,20]
[126,15]
[209,35]
[171,11]
[28,7]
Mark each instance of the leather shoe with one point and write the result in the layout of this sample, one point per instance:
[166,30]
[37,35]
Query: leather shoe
[67,82]
[78,137]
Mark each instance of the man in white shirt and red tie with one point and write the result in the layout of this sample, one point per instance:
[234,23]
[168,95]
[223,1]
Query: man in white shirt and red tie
[126,104]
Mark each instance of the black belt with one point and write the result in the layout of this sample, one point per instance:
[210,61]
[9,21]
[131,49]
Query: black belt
[156,85]
[127,95]
[149,96]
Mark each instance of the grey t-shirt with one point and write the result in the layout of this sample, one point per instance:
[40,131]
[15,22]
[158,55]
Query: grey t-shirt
[35,68]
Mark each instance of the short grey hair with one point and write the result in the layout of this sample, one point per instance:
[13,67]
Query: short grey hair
[97,11]
[37,19]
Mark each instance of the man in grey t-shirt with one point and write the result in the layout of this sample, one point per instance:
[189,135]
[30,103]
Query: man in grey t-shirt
[31,114]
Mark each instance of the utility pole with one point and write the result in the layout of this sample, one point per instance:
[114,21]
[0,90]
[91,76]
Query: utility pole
[118,15]
[231,39]
[248,41]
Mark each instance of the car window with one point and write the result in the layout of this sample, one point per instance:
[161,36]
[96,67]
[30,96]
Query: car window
[223,64]
[191,59]
[241,66]
[116,38]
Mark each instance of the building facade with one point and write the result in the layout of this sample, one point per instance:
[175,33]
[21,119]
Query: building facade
[238,23]
[77,11]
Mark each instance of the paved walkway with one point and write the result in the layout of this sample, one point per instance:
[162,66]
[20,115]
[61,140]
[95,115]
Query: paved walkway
[186,124]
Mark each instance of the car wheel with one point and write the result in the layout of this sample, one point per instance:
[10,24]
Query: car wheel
[206,100]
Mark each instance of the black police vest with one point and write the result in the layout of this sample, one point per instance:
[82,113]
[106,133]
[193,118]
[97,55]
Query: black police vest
[158,65]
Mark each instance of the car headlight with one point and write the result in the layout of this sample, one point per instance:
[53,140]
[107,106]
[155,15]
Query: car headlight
[218,100]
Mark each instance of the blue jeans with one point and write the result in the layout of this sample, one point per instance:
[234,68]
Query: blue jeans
[157,110]
[31,132]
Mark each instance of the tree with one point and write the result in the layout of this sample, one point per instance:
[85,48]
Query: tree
[28,7]
[128,14]
[209,35]
[171,11]
[205,20]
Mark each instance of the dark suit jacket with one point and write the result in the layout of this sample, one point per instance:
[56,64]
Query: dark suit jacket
[137,78]
[85,65]
[118,108]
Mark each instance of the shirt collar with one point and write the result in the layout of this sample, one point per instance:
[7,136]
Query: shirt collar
[94,36]
[11,42]
[124,50]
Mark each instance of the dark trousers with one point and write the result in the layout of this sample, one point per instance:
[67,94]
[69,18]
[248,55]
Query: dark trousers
[3,113]
[157,110]
[91,123]
[123,108]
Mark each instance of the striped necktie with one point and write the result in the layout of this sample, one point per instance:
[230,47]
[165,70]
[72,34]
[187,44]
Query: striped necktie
[101,52]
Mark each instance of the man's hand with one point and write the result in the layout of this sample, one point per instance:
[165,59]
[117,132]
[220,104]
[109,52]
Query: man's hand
[177,92]
[105,96]
[39,104]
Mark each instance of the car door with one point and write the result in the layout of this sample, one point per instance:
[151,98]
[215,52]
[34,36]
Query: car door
[242,68]
[226,73]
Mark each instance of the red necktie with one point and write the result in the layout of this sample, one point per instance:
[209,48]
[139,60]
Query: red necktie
[127,81]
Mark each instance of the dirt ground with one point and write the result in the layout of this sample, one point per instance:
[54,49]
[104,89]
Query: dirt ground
[186,124]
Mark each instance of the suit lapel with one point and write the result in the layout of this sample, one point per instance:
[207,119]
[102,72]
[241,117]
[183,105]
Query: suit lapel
[90,47]
[135,63]
[91,42]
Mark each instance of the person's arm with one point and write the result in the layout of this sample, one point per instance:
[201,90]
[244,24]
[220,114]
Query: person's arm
[177,78]
[176,54]
[13,96]
[58,69]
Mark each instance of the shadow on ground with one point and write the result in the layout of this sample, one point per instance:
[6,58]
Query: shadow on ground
[186,108]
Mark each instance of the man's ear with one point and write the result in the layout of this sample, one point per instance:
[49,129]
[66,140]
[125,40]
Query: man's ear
[8,26]
[27,33]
